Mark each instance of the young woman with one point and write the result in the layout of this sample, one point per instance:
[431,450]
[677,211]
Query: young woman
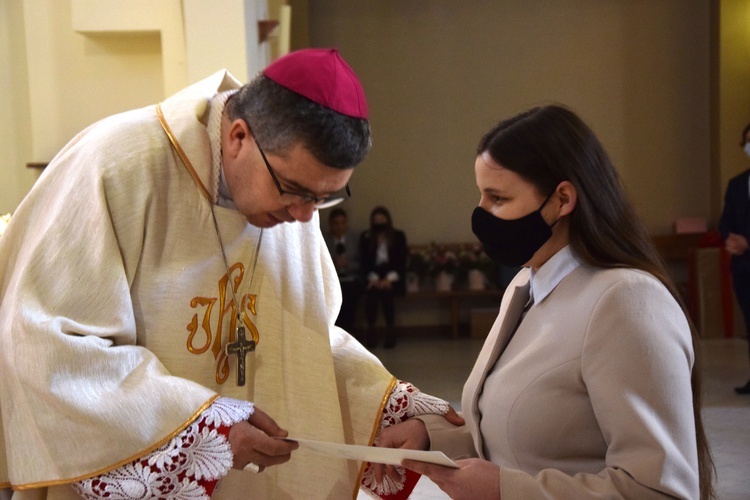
[587,385]
[383,253]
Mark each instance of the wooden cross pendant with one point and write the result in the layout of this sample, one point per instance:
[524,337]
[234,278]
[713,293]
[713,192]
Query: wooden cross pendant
[240,348]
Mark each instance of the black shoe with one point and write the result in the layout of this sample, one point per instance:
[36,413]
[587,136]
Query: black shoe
[745,389]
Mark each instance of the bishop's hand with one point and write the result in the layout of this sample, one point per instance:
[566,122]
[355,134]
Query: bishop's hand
[253,442]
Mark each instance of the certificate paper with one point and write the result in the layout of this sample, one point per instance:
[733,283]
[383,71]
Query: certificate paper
[391,456]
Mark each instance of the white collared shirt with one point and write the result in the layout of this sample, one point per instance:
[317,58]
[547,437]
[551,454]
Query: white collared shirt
[552,272]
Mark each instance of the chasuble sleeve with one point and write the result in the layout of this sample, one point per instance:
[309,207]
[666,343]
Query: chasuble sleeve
[190,465]
[80,395]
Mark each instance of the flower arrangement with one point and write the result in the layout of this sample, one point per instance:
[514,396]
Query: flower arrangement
[4,220]
[442,260]
[432,260]
[473,257]
[478,270]
[426,263]
[417,262]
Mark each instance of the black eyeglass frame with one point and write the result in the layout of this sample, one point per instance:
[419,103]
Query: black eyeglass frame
[325,202]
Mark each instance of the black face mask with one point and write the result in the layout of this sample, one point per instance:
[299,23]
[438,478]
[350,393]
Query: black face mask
[379,228]
[511,242]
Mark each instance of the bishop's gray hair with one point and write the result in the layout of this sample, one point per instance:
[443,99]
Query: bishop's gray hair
[280,118]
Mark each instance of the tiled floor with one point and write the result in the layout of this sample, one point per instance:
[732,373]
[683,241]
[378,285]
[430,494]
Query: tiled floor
[440,366]
[726,416]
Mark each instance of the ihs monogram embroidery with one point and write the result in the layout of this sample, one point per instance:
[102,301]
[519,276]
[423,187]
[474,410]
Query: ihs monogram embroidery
[227,310]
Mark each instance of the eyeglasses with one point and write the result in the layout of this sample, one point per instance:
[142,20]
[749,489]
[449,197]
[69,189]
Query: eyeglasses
[305,198]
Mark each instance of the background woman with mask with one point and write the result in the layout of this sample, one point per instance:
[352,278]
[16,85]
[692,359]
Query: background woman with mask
[587,385]
[734,226]
[383,253]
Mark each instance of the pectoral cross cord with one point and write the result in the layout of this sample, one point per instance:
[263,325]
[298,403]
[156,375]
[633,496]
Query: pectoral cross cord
[241,346]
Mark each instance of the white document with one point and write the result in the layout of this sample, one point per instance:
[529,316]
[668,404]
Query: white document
[390,456]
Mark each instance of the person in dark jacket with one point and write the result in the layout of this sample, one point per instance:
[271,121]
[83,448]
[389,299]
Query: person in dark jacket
[734,226]
[343,244]
[383,264]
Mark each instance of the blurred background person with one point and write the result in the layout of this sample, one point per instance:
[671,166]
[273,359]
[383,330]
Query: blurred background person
[383,254]
[734,226]
[343,243]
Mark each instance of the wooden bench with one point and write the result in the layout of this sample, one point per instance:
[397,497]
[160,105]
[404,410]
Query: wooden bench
[460,296]
[456,299]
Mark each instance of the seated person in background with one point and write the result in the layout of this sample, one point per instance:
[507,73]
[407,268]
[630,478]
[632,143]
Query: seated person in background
[343,243]
[587,385]
[383,264]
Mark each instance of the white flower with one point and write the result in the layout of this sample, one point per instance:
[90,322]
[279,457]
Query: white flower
[4,220]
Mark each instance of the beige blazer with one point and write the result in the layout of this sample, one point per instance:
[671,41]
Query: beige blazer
[589,398]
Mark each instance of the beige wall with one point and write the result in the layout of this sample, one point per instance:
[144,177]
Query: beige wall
[734,88]
[15,142]
[439,73]
[69,63]
[58,82]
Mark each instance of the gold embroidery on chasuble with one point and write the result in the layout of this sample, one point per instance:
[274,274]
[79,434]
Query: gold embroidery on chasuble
[206,328]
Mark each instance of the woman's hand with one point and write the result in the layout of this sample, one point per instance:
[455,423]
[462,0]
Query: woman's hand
[474,479]
[410,434]
[380,284]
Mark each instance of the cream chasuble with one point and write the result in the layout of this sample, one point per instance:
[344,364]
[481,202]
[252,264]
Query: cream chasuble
[116,312]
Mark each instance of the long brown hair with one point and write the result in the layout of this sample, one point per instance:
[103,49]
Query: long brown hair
[551,144]
[381,210]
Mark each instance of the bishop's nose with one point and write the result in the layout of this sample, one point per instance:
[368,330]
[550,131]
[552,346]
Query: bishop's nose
[302,212]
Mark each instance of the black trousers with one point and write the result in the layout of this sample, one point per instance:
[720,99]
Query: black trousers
[741,285]
[351,291]
[374,299]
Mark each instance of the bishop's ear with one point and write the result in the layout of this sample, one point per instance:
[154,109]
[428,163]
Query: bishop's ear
[567,196]
[237,134]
